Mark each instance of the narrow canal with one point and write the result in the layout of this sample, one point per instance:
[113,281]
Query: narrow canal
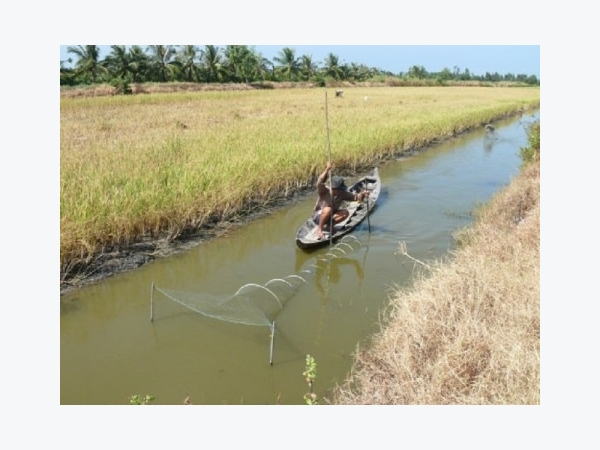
[127,335]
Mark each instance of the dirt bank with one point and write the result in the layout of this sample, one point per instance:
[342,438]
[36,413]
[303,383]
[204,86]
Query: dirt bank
[120,259]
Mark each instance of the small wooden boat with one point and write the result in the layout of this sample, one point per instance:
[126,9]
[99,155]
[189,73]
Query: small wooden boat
[306,237]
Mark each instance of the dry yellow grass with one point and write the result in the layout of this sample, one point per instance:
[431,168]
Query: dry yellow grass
[468,331]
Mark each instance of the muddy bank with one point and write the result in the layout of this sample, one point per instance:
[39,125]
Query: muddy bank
[123,258]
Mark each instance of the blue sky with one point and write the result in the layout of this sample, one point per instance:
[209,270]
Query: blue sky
[479,59]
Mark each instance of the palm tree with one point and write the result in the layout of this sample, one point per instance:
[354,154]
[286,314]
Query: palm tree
[87,63]
[360,72]
[211,63]
[186,57]
[160,62]
[138,63]
[308,69]
[239,62]
[289,64]
[117,61]
[346,72]
[67,74]
[332,67]
[262,68]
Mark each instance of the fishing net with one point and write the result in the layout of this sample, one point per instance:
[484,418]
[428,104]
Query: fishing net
[254,304]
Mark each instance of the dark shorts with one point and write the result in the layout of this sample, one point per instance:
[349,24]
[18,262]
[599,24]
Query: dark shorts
[316,216]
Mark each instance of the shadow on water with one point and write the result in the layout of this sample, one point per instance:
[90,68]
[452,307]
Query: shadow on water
[122,337]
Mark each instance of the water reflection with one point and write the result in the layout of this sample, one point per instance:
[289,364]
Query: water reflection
[325,269]
[488,140]
[330,272]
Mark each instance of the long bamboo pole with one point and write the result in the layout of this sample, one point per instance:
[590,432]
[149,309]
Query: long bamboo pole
[272,339]
[368,213]
[152,303]
[329,156]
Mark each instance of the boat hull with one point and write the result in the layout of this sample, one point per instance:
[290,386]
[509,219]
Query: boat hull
[358,212]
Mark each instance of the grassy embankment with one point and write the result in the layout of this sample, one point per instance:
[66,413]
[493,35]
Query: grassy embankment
[164,164]
[468,331]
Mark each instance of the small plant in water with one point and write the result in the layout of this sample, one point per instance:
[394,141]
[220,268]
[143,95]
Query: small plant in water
[139,400]
[310,375]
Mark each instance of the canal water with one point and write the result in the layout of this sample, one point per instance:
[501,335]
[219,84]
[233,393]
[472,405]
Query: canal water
[166,329]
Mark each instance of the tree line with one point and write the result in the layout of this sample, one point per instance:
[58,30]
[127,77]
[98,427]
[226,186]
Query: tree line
[234,64]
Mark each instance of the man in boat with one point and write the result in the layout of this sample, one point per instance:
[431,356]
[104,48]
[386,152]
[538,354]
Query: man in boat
[330,200]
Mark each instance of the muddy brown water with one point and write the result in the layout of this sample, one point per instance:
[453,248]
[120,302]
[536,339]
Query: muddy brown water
[121,337]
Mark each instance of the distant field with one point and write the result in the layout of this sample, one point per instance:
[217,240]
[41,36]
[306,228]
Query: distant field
[152,164]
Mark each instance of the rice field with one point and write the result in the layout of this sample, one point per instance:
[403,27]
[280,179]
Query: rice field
[159,164]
